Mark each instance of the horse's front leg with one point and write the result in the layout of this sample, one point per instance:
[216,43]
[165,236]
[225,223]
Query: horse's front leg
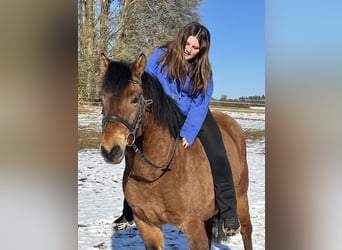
[152,235]
[197,233]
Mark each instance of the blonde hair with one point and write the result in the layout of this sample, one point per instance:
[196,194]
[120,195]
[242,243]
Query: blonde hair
[199,68]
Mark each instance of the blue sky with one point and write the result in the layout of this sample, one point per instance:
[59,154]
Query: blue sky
[237,52]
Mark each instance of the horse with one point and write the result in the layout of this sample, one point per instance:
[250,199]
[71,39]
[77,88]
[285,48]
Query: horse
[163,182]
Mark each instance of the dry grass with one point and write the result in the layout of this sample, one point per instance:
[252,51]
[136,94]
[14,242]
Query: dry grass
[254,135]
[88,138]
[236,109]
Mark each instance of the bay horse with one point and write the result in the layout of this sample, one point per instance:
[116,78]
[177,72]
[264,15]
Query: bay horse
[163,182]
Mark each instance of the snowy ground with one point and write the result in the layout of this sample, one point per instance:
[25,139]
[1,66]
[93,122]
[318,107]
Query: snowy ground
[100,195]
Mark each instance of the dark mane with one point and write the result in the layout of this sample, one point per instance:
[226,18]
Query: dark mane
[165,109]
[116,77]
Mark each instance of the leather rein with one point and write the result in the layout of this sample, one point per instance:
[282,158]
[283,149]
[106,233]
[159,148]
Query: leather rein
[139,120]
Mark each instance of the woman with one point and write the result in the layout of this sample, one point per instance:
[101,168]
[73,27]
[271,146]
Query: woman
[183,68]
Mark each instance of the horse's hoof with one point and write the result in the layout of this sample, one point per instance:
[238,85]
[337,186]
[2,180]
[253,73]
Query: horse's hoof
[121,223]
[122,226]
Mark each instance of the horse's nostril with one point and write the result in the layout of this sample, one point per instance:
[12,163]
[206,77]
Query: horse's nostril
[115,150]
[104,152]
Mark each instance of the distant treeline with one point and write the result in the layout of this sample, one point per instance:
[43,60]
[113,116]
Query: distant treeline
[243,102]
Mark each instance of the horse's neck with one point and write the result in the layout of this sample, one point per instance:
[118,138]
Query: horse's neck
[156,145]
[156,138]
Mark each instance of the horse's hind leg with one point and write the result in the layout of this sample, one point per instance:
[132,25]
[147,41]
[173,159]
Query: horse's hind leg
[245,221]
[197,234]
[152,235]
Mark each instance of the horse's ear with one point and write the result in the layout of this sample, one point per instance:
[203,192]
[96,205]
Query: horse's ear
[138,66]
[104,63]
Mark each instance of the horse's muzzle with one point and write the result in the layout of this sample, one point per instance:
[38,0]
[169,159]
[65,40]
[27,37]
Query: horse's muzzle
[114,155]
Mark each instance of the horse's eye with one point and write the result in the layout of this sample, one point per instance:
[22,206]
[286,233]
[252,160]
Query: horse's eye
[135,100]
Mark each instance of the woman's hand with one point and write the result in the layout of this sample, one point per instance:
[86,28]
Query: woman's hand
[185,142]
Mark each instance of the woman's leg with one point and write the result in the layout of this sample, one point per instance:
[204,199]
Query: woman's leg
[126,218]
[212,142]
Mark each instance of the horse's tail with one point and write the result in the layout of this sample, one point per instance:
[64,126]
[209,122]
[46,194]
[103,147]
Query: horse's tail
[217,229]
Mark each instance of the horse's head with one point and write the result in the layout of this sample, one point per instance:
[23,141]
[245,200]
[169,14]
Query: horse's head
[123,106]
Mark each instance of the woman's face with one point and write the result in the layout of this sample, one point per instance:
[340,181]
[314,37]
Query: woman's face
[192,48]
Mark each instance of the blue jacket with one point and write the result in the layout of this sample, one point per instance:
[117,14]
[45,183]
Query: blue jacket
[194,106]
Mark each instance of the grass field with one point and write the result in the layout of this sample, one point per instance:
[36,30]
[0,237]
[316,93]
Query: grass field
[89,134]
[236,109]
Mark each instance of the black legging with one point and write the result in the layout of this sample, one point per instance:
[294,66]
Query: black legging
[211,140]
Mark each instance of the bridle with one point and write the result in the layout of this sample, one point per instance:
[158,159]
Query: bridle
[139,120]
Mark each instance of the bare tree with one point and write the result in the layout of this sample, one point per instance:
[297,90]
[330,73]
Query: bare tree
[86,47]
[104,25]
[145,24]
[123,29]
